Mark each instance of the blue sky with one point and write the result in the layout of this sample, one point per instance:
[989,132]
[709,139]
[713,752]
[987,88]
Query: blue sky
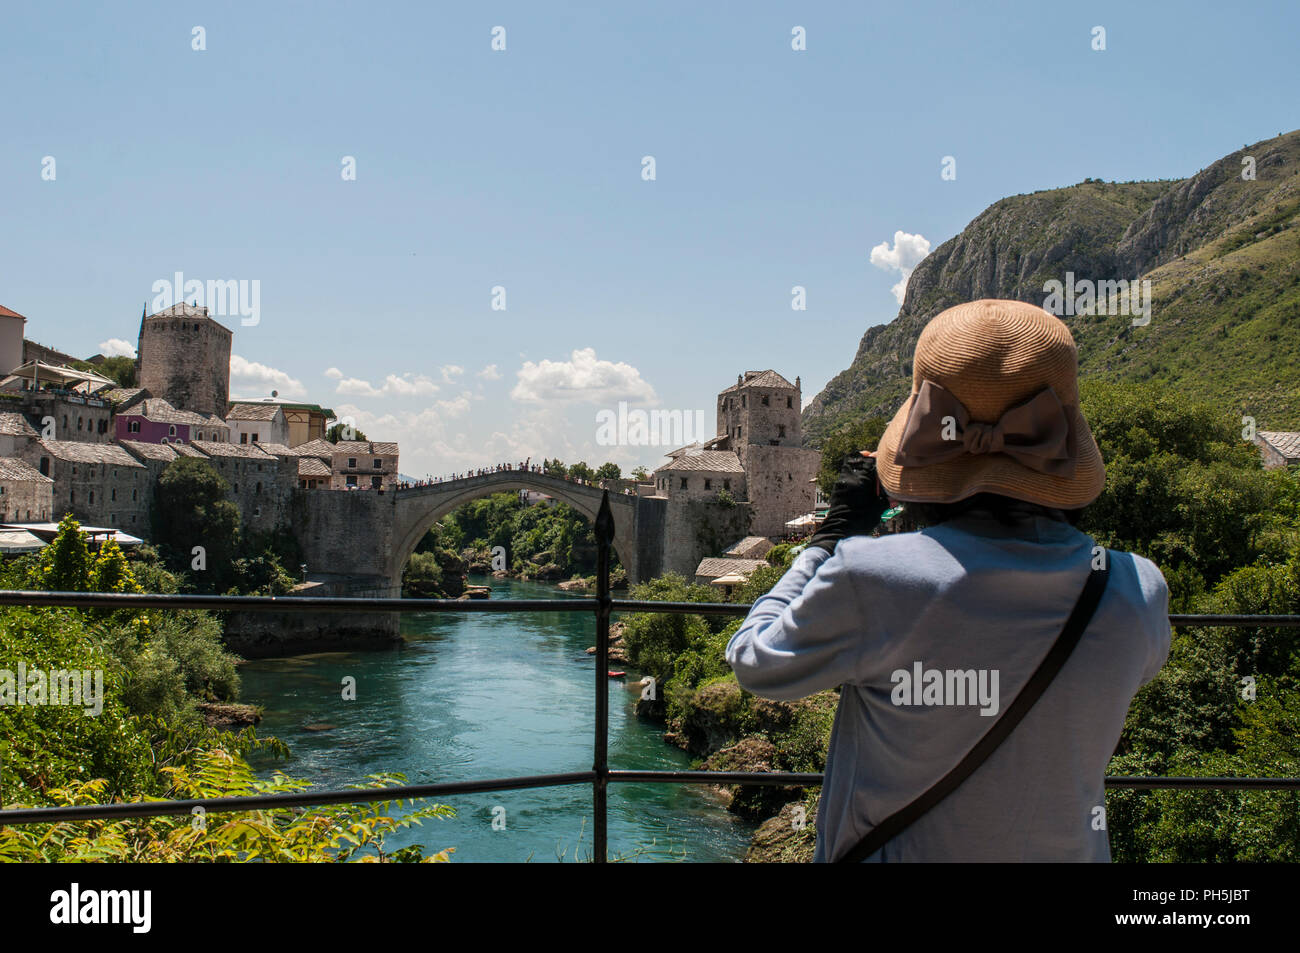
[522,169]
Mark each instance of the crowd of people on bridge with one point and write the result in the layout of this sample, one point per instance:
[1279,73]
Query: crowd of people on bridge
[525,466]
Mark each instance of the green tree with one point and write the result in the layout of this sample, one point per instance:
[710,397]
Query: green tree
[191,510]
[335,433]
[858,435]
[609,471]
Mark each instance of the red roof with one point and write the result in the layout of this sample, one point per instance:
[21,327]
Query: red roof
[5,312]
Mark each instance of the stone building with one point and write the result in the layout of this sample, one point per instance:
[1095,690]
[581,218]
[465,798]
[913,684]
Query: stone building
[1278,448]
[261,484]
[184,356]
[354,464]
[155,420]
[98,483]
[25,495]
[304,422]
[257,423]
[11,339]
[60,402]
[746,481]
[15,433]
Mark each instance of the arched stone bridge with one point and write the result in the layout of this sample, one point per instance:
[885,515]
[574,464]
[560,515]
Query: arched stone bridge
[637,544]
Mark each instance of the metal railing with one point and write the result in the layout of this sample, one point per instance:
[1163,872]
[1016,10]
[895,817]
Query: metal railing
[599,777]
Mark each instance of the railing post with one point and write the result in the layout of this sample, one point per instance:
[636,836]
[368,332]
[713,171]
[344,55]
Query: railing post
[604,532]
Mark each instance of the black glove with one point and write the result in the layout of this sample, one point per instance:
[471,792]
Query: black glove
[855,506]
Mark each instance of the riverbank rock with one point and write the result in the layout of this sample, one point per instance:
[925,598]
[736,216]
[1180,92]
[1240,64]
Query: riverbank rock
[545,571]
[711,718]
[573,585]
[752,802]
[788,838]
[227,716]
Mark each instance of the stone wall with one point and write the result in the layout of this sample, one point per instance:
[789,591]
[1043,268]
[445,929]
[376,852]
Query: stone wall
[780,487]
[697,528]
[26,501]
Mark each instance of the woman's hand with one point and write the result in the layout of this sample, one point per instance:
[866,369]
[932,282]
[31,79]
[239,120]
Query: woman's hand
[856,504]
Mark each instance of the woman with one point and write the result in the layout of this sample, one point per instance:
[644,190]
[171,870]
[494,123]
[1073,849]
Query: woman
[933,634]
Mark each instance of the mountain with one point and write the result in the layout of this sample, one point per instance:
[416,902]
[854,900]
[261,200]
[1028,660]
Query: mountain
[1222,254]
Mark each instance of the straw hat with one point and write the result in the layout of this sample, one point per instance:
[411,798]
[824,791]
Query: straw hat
[994,409]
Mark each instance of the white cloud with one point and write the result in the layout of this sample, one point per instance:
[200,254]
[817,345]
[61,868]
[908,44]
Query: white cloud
[116,347]
[252,374]
[450,372]
[489,373]
[581,378]
[907,253]
[456,407]
[407,385]
[334,373]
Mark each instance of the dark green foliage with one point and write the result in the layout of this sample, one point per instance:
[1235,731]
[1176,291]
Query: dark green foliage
[858,434]
[190,509]
[335,433]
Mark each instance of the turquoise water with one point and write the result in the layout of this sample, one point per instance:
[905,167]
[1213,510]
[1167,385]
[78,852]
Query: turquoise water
[481,696]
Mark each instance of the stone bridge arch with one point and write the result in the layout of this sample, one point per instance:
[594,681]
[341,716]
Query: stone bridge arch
[418,508]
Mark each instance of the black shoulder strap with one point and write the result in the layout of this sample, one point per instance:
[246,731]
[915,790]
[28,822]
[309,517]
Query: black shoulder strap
[1037,684]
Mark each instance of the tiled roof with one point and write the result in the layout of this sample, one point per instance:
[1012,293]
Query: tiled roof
[253,412]
[714,461]
[74,451]
[768,378]
[5,312]
[312,467]
[364,447]
[150,451]
[715,566]
[11,468]
[278,449]
[247,451]
[185,450]
[15,425]
[1284,442]
[751,547]
[315,448]
[124,396]
[161,411]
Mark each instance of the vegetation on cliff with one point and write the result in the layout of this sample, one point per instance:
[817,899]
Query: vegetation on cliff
[1222,254]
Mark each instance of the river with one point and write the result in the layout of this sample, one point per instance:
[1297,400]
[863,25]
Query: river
[486,695]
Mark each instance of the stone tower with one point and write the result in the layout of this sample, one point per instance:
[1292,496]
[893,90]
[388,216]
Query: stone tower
[184,356]
[762,409]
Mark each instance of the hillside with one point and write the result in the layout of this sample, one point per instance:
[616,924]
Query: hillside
[1222,255]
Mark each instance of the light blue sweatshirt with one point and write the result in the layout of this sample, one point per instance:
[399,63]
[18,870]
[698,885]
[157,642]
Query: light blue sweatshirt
[980,604]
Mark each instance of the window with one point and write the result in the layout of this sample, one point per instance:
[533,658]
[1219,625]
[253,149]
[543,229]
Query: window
[740,431]
[171,430]
[135,495]
[259,468]
[765,401]
[376,482]
[199,436]
[72,496]
[74,469]
[92,496]
[789,403]
[683,483]
[257,511]
[103,426]
[133,426]
[708,484]
[255,438]
[45,466]
[780,431]
[726,484]
[742,401]
[352,462]
[352,481]
[379,464]
[113,496]
[65,421]
[259,488]
[243,438]
[774,443]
